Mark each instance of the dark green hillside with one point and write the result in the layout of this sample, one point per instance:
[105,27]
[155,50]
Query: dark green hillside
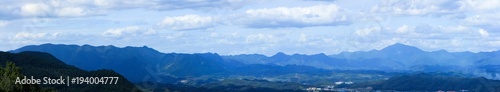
[230,85]
[39,65]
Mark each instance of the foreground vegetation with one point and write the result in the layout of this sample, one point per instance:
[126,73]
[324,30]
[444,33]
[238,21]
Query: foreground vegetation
[39,65]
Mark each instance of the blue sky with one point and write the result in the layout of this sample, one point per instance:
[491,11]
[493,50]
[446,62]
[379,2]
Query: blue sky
[254,26]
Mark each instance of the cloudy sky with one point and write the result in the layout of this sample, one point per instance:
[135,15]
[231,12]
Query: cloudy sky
[254,26]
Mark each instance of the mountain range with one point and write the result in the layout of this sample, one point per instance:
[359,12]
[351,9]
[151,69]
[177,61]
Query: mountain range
[146,64]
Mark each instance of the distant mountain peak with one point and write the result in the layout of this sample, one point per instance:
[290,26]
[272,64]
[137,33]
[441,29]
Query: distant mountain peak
[398,45]
[208,54]
[321,54]
[401,48]
[279,54]
[441,51]
[52,44]
[47,44]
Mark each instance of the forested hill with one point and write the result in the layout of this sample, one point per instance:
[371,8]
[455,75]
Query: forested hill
[39,65]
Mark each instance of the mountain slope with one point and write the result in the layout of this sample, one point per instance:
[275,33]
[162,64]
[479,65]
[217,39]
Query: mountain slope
[136,63]
[412,56]
[317,60]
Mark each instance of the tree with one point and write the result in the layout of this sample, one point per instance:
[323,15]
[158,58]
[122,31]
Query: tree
[8,78]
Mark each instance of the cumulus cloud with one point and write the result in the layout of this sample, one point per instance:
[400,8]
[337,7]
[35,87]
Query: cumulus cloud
[3,23]
[367,31]
[129,31]
[487,20]
[187,22]
[27,36]
[483,33]
[481,5]
[479,13]
[58,9]
[404,29]
[421,7]
[71,11]
[412,33]
[80,8]
[433,32]
[198,4]
[319,15]
[41,37]
[24,38]
[261,38]
[34,9]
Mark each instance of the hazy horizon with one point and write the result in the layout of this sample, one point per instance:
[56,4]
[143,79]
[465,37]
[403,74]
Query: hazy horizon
[268,55]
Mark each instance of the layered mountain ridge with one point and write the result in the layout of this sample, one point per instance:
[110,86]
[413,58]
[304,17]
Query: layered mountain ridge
[136,63]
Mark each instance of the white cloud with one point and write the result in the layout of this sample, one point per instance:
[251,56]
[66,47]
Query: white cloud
[24,38]
[481,5]
[58,9]
[433,32]
[261,38]
[420,7]
[3,23]
[482,13]
[71,11]
[479,13]
[483,33]
[36,37]
[129,31]
[303,38]
[405,29]
[486,20]
[33,36]
[35,9]
[187,22]
[82,8]
[419,33]
[170,4]
[367,31]
[319,15]
[198,4]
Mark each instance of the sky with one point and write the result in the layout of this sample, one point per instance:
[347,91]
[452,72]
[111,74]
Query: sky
[231,27]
